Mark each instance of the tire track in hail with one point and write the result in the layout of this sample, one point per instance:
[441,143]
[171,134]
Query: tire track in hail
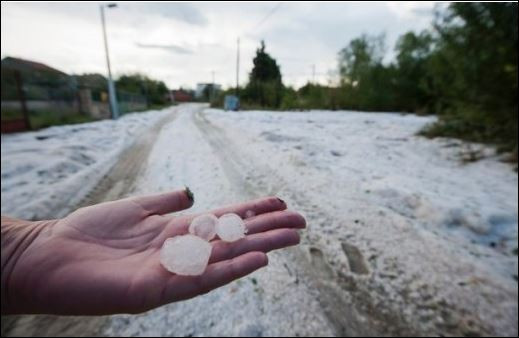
[264,181]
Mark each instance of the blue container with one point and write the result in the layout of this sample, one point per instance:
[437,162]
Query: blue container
[231,102]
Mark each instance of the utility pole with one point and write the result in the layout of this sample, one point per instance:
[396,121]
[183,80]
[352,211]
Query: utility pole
[212,87]
[313,73]
[111,87]
[238,67]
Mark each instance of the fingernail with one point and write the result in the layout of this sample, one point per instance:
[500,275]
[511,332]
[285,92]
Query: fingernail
[279,199]
[189,194]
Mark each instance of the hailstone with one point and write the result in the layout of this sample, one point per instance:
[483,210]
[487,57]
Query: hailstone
[186,255]
[204,226]
[230,227]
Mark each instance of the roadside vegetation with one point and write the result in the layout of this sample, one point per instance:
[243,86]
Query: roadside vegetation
[464,70]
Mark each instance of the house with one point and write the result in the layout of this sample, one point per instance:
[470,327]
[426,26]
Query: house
[181,95]
[40,82]
[49,90]
[29,66]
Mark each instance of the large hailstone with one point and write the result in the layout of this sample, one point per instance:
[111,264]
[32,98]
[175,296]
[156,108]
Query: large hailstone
[186,255]
[230,227]
[204,226]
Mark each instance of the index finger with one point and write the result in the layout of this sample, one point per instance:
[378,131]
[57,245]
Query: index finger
[258,206]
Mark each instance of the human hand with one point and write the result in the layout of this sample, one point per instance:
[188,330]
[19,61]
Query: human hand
[104,259]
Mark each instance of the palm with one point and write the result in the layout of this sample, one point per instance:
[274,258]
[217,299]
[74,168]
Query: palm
[105,258]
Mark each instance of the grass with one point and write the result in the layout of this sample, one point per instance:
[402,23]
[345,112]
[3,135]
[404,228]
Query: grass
[11,115]
[502,137]
[43,119]
[40,120]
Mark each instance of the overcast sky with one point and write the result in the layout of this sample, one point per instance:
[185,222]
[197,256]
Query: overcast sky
[183,43]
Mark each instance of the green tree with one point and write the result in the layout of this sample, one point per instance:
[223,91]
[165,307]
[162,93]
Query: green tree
[359,57]
[265,87]
[474,72]
[412,73]
[154,91]
[366,83]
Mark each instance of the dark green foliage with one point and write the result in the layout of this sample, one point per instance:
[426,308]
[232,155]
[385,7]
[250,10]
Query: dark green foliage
[155,91]
[42,119]
[366,84]
[411,74]
[265,87]
[474,73]
[265,67]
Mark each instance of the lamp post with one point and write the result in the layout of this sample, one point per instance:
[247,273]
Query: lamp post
[111,86]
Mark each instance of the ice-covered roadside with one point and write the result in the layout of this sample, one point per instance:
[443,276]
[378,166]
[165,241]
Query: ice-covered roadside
[380,156]
[414,236]
[46,172]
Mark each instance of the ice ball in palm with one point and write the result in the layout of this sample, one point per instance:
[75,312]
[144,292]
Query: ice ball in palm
[204,226]
[186,255]
[230,227]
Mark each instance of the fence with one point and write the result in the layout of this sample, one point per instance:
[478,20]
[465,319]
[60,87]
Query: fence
[129,102]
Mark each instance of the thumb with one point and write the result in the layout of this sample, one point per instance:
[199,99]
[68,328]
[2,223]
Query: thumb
[166,202]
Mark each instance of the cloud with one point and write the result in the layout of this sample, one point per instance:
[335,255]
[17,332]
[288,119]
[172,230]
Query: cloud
[427,12]
[168,47]
[184,12]
[182,43]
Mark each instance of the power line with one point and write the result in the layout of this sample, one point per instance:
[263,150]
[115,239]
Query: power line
[237,66]
[269,14]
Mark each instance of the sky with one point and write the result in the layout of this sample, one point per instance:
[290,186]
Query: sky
[186,43]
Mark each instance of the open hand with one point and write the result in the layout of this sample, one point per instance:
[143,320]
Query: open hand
[104,259]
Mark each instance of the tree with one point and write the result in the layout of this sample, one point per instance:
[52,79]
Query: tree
[265,67]
[475,71]
[366,83]
[356,60]
[265,85]
[412,76]
[155,91]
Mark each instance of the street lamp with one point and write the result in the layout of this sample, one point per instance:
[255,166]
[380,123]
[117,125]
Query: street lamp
[111,87]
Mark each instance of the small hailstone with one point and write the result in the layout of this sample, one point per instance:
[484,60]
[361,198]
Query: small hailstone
[204,226]
[249,214]
[230,228]
[186,255]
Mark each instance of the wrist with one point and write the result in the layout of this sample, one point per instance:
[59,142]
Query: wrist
[17,236]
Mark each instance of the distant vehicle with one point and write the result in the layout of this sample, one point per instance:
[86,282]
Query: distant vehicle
[231,102]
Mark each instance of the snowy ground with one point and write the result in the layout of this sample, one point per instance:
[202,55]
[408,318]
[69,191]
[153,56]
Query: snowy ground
[50,170]
[403,238]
